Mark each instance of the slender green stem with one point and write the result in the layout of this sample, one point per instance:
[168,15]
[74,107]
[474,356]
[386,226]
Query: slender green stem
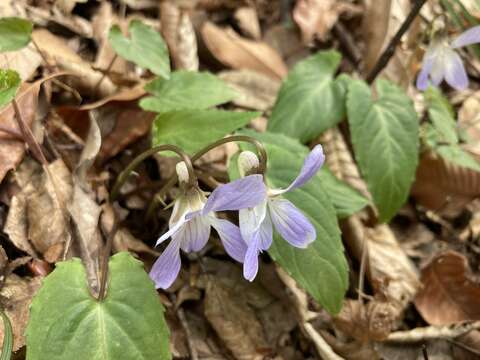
[243,138]
[123,176]
[260,151]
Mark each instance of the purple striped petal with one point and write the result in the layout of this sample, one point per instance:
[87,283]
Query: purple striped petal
[313,162]
[194,234]
[455,74]
[250,220]
[250,265]
[231,238]
[290,223]
[166,268]
[239,194]
[428,61]
[468,37]
[173,230]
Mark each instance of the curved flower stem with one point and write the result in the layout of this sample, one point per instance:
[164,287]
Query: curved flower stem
[243,138]
[123,176]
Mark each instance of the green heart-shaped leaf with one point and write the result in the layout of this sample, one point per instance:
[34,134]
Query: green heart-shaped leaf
[66,322]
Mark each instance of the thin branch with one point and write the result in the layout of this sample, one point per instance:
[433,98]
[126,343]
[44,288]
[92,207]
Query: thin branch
[390,50]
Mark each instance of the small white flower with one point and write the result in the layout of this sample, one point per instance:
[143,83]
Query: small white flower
[441,61]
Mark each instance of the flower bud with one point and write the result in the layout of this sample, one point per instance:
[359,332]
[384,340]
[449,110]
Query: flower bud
[182,172]
[248,163]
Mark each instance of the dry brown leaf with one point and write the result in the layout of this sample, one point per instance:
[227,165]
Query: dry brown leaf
[449,294]
[375,29]
[102,22]
[67,5]
[15,298]
[178,31]
[12,150]
[247,20]
[56,50]
[273,313]
[255,90]
[287,41]
[444,187]
[43,17]
[389,270]
[234,322]
[170,18]
[372,321]
[382,20]
[185,56]
[121,120]
[84,210]
[28,227]
[317,17]
[240,53]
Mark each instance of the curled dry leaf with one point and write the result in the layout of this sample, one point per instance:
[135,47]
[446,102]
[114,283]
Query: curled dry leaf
[249,320]
[389,270]
[27,226]
[43,17]
[129,121]
[240,53]
[247,20]
[178,32]
[12,149]
[372,321]
[185,56]
[56,50]
[255,90]
[15,298]
[101,23]
[375,29]
[84,210]
[444,187]
[449,294]
[317,17]
[382,20]
[234,322]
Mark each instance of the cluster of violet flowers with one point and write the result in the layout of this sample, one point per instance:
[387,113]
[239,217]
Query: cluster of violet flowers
[442,62]
[260,210]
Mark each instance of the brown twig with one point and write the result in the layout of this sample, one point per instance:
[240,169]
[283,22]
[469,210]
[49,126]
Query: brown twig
[348,43]
[390,50]
[104,74]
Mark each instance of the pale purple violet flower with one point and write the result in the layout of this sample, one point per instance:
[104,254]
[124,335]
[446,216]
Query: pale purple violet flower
[256,224]
[191,221]
[441,61]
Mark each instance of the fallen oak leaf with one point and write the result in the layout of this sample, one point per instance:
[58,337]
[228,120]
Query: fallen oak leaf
[240,53]
[449,294]
[131,122]
[317,17]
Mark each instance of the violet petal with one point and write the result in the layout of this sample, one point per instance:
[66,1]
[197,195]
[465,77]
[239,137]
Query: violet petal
[166,268]
[468,37]
[290,223]
[313,162]
[231,238]
[239,194]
